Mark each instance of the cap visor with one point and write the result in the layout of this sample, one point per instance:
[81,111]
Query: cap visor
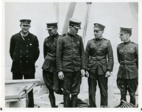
[49,28]
[26,24]
[96,28]
[77,27]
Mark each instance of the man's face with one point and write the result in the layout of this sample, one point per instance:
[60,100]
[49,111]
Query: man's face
[52,32]
[73,30]
[97,33]
[124,36]
[25,28]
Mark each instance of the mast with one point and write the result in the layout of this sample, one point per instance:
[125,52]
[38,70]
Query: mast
[68,16]
[88,6]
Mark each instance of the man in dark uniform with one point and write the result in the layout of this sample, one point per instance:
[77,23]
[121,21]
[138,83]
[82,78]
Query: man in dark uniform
[50,75]
[24,51]
[70,61]
[127,77]
[99,61]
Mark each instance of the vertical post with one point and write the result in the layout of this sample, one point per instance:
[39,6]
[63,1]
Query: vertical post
[68,16]
[88,5]
[57,11]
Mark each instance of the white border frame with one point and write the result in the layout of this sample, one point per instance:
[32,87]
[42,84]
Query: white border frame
[2,58]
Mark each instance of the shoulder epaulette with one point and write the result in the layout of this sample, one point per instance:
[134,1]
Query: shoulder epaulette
[105,39]
[120,44]
[134,43]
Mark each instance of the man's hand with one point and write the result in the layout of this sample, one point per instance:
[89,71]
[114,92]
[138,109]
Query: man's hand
[108,74]
[87,74]
[82,72]
[61,75]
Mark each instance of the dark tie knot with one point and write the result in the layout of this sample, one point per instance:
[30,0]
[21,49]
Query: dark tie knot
[98,39]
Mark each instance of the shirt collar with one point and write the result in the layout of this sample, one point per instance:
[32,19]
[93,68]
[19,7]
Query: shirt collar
[127,42]
[23,35]
[55,36]
[71,35]
[98,39]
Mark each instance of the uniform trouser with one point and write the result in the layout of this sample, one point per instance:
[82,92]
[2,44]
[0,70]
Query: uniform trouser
[48,78]
[102,82]
[129,85]
[72,81]
[26,76]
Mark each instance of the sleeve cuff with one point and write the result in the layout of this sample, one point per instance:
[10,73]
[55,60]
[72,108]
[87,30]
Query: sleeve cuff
[109,70]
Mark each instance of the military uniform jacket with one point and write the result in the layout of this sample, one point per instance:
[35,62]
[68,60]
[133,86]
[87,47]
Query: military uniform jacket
[24,53]
[99,54]
[49,50]
[70,55]
[128,59]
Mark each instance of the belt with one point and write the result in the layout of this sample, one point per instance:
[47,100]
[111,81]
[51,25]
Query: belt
[51,55]
[97,59]
[128,62]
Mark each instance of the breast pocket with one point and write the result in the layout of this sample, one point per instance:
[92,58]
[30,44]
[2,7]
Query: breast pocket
[102,48]
[121,51]
[48,45]
[131,51]
[67,45]
[93,46]
[77,44]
